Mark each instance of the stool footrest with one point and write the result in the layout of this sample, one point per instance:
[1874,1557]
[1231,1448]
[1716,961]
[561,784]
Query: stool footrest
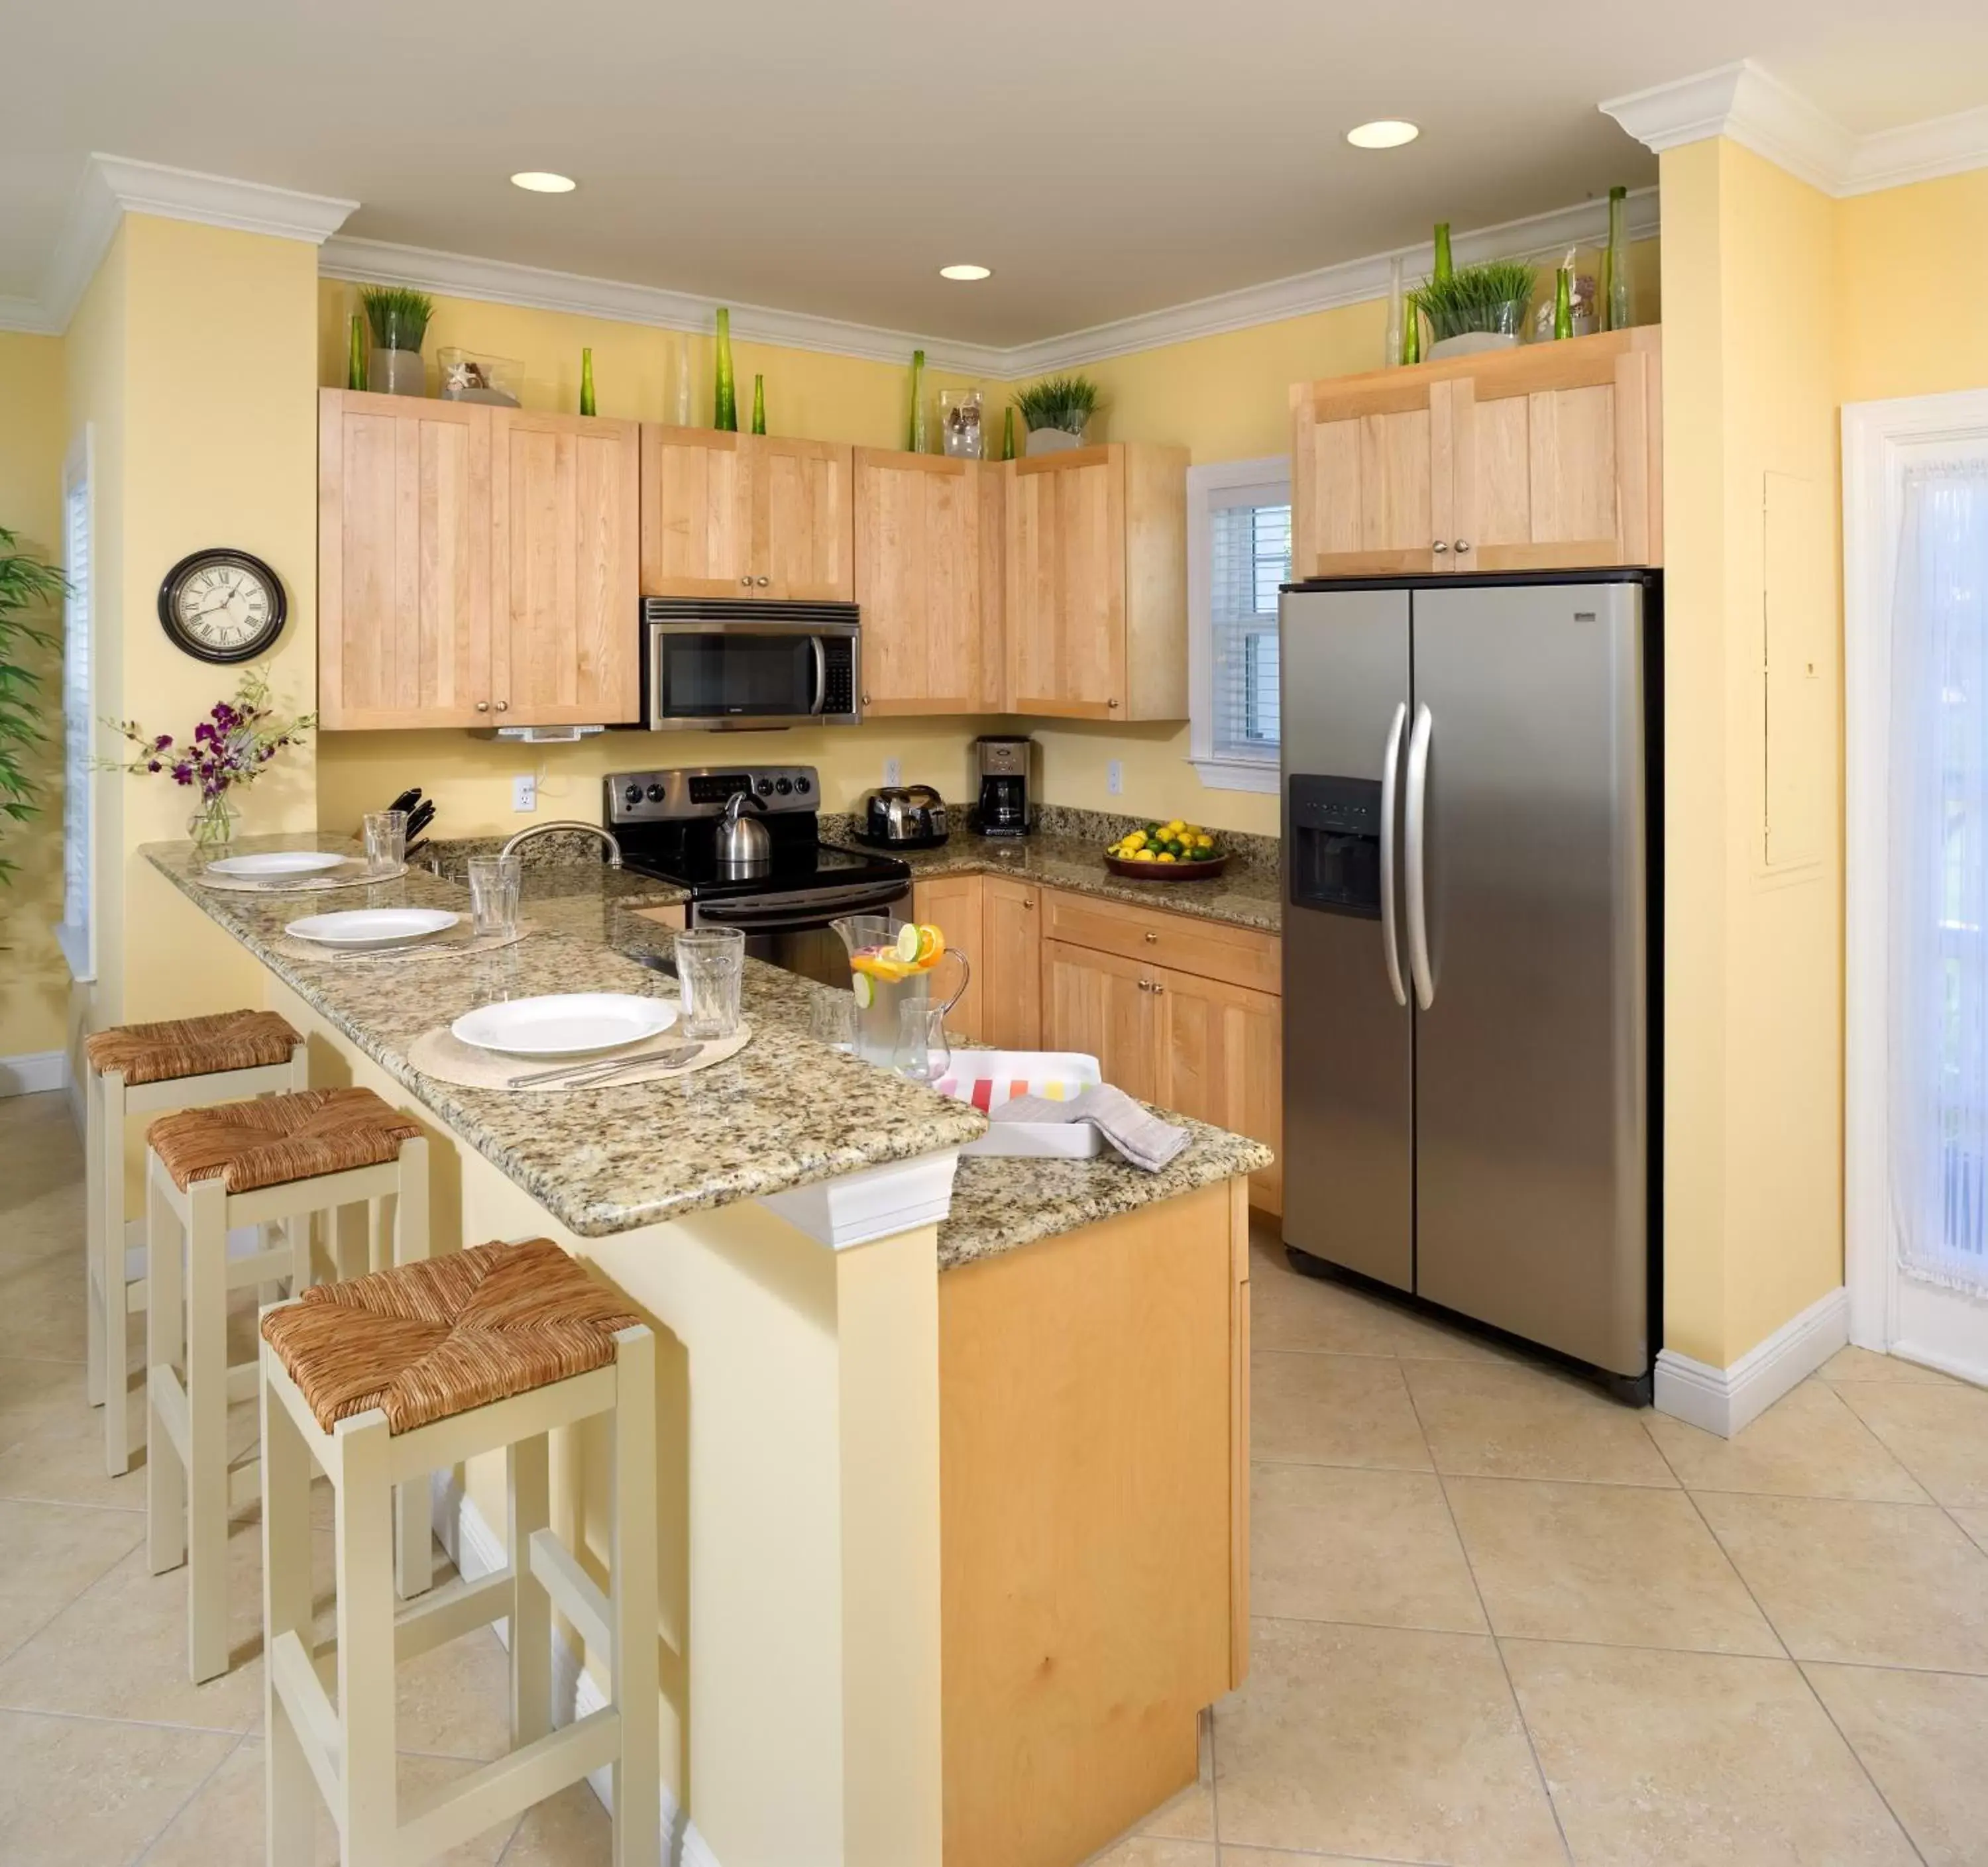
[448,1612]
[447,1817]
[573,1590]
[295,1682]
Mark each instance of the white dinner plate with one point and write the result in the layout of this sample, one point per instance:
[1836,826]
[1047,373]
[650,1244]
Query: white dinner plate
[276,862]
[362,927]
[565,1024]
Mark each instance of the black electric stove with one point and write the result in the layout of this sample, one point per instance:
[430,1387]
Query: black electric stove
[668,824]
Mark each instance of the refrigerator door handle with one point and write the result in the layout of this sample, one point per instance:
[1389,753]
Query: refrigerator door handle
[1390,763]
[1416,817]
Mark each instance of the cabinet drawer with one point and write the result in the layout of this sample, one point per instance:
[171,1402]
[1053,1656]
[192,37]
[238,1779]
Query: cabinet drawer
[1240,956]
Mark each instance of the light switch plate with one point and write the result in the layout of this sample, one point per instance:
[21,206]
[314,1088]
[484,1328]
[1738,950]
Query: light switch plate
[525,793]
[894,771]
[1114,778]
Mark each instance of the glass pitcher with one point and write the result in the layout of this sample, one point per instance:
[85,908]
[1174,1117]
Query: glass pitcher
[884,985]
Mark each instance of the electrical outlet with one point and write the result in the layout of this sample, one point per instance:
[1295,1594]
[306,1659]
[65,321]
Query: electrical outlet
[1114,778]
[893,770]
[525,793]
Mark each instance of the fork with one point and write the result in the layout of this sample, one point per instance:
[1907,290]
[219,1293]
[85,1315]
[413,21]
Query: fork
[585,1075]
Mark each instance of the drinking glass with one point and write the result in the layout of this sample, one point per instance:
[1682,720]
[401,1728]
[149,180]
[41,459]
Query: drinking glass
[386,832]
[711,966]
[493,883]
[832,1020]
[923,1052]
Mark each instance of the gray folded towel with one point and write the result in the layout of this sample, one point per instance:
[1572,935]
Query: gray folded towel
[1130,1126]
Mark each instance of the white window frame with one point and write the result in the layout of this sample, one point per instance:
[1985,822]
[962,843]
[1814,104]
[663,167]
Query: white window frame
[1219,771]
[1879,441]
[79,943]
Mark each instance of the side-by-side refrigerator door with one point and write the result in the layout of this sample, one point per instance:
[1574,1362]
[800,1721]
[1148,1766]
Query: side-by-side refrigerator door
[1349,1161]
[1523,850]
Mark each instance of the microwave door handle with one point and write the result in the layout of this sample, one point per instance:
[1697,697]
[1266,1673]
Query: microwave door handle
[820,674]
[1415,838]
[1390,946]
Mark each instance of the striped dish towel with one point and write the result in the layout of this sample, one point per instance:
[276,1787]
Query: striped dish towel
[987,1092]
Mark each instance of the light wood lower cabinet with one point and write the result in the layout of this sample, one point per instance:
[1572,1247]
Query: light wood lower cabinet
[1011,963]
[1100,1003]
[1221,1051]
[954,904]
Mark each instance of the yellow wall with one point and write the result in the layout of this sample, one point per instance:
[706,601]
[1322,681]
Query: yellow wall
[1911,289]
[33,979]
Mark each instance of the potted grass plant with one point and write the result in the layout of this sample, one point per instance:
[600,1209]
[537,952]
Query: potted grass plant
[1476,308]
[1057,410]
[399,318]
[27,585]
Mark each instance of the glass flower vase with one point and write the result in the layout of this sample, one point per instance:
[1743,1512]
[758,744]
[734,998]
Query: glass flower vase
[1616,315]
[211,830]
[725,401]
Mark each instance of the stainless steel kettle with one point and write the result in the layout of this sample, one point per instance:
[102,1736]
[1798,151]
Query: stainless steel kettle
[744,847]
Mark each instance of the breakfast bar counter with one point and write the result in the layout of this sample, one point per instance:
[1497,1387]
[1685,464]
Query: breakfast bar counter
[953,1485]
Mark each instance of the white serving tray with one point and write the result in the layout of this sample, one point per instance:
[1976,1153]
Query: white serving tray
[1033,1140]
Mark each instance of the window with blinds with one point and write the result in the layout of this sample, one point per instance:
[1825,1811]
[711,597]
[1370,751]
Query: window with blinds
[78,732]
[1249,554]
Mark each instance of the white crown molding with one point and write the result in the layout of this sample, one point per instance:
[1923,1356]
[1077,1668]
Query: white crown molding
[19,314]
[503,282]
[114,186]
[1747,105]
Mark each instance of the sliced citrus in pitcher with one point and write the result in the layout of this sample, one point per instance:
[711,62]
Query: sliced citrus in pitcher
[908,943]
[931,945]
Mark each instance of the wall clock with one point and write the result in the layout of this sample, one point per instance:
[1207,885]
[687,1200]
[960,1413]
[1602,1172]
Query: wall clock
[222,606]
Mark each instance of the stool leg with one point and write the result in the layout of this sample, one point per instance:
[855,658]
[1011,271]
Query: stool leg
[110,1274]
[288,1791]
[637,1774]
[365,1558]
[165,1342]
[531,1606]
[95,1307]
[413,1515]
[350,1249]
[206,1430]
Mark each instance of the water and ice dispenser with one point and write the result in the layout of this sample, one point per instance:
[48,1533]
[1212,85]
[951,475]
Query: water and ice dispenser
[1335,845]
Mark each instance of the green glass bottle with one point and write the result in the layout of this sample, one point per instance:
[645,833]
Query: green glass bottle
[1008,432]
[587,382]
[914,430]
[355,360]
[1615,315]
[758,405]
[724,410]
[1564,302]
[1412,329]
[1443,267]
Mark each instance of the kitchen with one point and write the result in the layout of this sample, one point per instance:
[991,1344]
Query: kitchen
[961,1458]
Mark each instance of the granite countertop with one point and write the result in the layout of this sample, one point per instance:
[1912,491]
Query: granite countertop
[785,1111]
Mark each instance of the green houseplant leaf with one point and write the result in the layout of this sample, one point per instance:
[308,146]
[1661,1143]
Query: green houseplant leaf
[1064,402]
[1490,297]
[27,585]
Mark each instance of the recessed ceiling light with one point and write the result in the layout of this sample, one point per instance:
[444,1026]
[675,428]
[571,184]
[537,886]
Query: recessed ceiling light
[966,271]
[1389,133]
[541,181]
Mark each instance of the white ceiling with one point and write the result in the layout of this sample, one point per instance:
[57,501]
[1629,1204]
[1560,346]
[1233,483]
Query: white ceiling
[1106,157]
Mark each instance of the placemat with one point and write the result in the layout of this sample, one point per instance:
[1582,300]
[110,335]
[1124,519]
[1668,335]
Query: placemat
[298,885]
[435,1053]
[460,942]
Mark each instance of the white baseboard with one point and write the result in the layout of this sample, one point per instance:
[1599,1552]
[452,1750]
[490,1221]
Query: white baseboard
[31,1072]
[476,1549]
[1723,1400]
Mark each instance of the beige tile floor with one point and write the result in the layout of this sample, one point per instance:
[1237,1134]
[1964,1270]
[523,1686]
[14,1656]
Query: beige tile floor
[1500,1620]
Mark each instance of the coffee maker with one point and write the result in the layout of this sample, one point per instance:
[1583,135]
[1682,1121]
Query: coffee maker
[1001,771]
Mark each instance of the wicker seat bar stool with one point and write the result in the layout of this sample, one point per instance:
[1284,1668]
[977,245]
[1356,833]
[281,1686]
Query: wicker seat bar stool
[146,1069]
[388,1376]
[336,1152]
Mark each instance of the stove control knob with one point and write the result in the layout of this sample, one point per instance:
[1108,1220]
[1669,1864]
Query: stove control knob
[782,785]
[764,787]
[632,794]
[655,794]
[803,786]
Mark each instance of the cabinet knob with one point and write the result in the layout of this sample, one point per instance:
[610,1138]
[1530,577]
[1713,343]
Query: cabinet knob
[763,582]
[1152,940]
[482,706]
[1111,704]
[1028,901]
[746,583]
[503,706]
[866,700]
[1158,986]
[1462,545]
[1439,545]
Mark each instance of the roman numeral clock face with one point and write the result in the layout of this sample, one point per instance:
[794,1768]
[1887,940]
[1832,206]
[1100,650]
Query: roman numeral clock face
[222,606]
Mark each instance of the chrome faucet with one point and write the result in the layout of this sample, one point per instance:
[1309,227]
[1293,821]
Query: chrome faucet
[592,829]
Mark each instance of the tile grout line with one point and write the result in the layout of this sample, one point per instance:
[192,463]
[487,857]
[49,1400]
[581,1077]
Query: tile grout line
[1932,1497]
[1808,1684]
[192,1796]
[42,1627]
[1490,1625]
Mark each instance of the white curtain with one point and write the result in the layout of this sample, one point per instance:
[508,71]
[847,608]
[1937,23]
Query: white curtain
[1938,938]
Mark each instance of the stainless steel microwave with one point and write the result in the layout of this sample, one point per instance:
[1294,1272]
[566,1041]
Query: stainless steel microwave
[725,663]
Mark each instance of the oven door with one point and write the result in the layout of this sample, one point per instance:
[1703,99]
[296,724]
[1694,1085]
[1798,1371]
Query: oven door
[715,674]
[793,930]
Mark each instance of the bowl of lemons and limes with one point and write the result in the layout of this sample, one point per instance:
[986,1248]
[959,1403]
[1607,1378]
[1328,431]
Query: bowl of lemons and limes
[1171,851]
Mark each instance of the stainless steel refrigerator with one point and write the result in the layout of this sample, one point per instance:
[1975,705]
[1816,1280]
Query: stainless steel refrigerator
[1470,916]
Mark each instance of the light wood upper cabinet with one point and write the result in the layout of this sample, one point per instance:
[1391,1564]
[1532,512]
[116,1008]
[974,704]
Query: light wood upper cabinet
[928,540]
[403,562]
[1097,584]
[1546,458]
[565,513]
[1009,964]
[745,515]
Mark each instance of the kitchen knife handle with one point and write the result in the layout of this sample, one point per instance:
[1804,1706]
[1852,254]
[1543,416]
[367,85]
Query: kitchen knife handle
[1390,763]
[1415,838]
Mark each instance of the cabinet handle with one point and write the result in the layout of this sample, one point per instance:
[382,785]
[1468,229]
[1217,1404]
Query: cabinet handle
[503,706]
[1152,940]
[1462,545]
[1439,545]
[482,706]
[763,582]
